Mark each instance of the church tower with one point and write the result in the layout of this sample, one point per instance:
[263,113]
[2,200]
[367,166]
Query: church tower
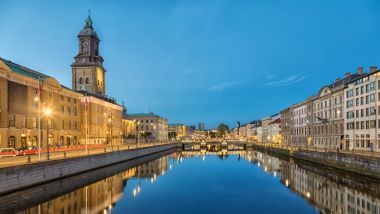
[88,73]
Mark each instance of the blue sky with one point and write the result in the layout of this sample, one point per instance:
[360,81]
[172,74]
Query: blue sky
[200,61]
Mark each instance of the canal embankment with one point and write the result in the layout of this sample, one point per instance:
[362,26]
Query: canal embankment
[22,199]
[23,176]
[363,165]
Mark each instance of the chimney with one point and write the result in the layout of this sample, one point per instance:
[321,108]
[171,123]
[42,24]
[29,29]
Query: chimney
[337,79]
[360,70]
[372,69]
[347,74]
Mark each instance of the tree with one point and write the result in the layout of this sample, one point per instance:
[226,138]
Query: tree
[222,130]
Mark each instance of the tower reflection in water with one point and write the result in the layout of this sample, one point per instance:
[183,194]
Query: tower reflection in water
[326,189]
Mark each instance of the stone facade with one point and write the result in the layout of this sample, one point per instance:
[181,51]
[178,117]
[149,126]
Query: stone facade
[151,126]
[88,73]
[19,109]
[361,97]
[328,113]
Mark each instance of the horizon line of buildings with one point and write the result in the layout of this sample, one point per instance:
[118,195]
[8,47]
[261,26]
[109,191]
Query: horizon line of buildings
[344,114]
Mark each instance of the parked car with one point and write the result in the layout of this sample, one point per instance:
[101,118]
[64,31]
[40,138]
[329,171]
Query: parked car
[8,152]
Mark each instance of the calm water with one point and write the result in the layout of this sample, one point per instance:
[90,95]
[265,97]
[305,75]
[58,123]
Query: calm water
[188,182]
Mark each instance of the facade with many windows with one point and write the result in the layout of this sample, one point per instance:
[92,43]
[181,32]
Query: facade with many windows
[361,111]
[150,127]
[19,107]
[329,113]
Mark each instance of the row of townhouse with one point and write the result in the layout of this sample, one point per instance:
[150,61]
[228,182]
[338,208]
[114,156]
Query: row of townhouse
[266,130]
[343,115]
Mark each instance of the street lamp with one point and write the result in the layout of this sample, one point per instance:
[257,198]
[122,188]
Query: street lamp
[37,101]
[47,113]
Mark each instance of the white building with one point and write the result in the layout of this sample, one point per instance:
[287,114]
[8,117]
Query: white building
[362,131]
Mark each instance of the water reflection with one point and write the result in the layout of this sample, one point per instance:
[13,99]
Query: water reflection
[328,190]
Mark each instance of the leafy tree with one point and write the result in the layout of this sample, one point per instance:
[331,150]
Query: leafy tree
[222,130]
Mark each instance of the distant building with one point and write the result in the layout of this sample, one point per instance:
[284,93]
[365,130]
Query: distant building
[177,131]
[201,126]
[151,127]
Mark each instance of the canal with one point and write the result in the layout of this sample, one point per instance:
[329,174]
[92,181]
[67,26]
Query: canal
[195,182]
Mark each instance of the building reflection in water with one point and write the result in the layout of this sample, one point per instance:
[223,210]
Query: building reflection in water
[320,190]
[329,191]
[101,196]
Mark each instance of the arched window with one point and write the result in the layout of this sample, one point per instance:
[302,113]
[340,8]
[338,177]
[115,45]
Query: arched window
[12,142]
[68,141]
[80,80]
[98,82]
[87,81]
[75,140]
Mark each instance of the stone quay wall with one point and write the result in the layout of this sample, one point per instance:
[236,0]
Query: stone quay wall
[364,165]
[23,176]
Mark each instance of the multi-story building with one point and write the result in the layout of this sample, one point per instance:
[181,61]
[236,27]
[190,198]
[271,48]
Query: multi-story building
[151,126]
[265,126]
[201,126]
[361,118]
[252,131]
[274,131]
[328,113]
[19,109]
[287,125]
[178,130]
[300,130]
[102,116]
[78,116]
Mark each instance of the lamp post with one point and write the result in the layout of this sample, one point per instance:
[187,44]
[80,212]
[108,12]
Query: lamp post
[37,101]
[47,113]
[109,128]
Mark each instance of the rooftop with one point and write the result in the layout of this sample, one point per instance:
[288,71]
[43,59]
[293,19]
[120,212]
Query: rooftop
[24,71]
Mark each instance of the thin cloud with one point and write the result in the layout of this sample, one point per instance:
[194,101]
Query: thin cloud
[295,78]
[222,86]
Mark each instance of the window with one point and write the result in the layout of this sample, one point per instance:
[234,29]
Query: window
[87,81]
[372,124]
[372,86]
[61,97]
[372,97]
[80,80]
[63,124]
[75,112]
[349,103]
[68,110]
[350,114]
[11,120]
[372,111]
[349,93]
[11,142]
[34,122]
[68,99]
[62,109]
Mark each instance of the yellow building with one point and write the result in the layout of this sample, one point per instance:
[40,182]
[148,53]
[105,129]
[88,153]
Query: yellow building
[19,105]
[78,116]
[179,129]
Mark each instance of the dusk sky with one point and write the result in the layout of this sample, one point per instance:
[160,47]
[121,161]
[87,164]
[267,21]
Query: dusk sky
[200,61]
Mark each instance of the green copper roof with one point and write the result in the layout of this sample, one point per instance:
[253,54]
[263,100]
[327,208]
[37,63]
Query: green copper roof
[142,115]
[24,71]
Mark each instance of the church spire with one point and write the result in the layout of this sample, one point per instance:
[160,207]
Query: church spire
[88,20]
